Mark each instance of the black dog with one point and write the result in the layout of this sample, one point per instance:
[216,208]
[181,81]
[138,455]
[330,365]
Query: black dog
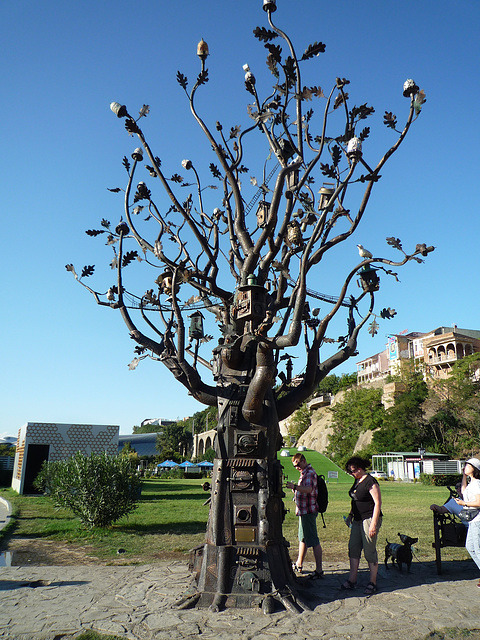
[400,553]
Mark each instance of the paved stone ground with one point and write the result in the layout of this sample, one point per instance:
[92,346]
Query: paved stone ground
[47,603]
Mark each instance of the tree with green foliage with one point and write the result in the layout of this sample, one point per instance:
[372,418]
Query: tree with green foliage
[455,425]
[148,428]
[99,488]
[361,410]
[175,437]
[404,427]
[300,421]
[208,456]
[7,450]
[129,452]
[203,420]
[332,383]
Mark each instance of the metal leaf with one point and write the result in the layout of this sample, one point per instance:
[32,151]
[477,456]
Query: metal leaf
[341,97]
[373,328]
[390,119]
[420,99]
[336,155]
[272,65]
[312,50]
[328,171]
[388,313]
[264,35]
[395,242]
[202,77]
[275,51]
[129,257]
[215,171]
[364,134]
[182,80]
[234,131]
[133,364]
[131,126]
[144,111]
[87,271]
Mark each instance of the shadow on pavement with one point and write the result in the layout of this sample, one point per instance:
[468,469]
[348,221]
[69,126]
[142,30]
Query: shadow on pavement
[10,585]
[329,589]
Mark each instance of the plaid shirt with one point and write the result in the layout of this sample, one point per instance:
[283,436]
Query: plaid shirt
[306,503]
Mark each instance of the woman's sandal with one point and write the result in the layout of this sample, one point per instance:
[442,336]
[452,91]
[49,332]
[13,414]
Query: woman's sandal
[348,586]
[296,568]
[316,575]
[370,589]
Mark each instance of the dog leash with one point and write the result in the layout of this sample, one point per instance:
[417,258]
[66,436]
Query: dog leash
[415,556]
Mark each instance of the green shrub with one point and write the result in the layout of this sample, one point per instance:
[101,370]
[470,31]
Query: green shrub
[171,474]
[99,489]
[300,421]
[439,480]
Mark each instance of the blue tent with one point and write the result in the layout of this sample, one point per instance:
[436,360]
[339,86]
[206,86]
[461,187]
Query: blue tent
[205,464]
[186,464]
[167,464]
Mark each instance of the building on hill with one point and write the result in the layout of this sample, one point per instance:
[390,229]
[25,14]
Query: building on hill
[442,349]
[373,368]
[434,353]
[156,422]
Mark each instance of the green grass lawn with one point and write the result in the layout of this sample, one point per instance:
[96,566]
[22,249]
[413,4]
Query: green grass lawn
[171,519]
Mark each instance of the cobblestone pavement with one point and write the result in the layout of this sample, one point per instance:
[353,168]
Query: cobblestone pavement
[135,602]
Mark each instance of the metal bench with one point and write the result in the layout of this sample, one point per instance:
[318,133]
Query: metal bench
[448,531]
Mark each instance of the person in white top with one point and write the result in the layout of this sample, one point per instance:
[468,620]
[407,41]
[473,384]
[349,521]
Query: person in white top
[471,498]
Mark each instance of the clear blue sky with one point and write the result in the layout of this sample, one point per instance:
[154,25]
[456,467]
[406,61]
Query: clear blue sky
[64,358]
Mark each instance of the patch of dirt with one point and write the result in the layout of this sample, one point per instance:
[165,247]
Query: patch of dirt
[34,552]
[37,552]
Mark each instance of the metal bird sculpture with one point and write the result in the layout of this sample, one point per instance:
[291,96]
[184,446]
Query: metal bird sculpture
[364,253]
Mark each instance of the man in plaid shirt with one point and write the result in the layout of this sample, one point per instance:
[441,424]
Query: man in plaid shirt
[305,496]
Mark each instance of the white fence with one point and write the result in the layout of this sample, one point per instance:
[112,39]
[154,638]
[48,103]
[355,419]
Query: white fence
[444,467]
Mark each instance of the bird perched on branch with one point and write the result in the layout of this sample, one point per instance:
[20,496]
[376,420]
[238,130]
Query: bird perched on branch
[364,253]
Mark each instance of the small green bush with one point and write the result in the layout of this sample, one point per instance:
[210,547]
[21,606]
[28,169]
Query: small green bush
[99,489]
[439,480]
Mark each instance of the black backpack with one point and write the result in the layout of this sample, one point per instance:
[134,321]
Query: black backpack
[322,496]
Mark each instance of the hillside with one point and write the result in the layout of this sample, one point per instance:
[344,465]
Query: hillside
[316,437]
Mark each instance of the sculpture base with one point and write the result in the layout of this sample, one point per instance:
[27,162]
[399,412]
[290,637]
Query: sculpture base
[234,576]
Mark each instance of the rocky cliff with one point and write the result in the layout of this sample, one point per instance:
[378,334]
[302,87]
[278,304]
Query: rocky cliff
[316,436]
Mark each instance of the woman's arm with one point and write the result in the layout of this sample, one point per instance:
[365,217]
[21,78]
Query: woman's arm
[474,501]
[377,499]
[464,481]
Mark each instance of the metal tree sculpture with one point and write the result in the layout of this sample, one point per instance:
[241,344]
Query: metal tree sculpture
[260,301]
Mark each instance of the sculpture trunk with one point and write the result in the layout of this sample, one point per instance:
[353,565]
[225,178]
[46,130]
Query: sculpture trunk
[245,561]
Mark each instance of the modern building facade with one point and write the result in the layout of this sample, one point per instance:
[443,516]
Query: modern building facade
[38,442]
